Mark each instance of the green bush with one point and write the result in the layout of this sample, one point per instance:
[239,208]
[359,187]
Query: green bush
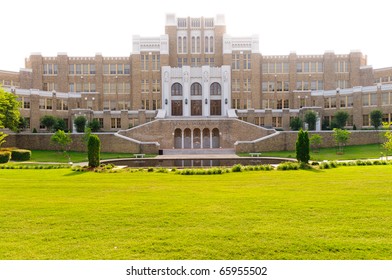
[289,166]
[5,156]
[94,148]
[236,168]
[20,155]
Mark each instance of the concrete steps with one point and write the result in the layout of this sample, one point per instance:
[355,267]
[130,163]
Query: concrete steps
[198,152]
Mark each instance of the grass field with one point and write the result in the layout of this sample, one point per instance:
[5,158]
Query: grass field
[350,153]
[342,213]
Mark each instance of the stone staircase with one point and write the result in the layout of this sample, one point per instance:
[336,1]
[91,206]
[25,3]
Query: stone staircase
[198,152]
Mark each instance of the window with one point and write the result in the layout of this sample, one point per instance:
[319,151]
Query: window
[215,89]
[209,61]
[144,86]
[156,86]
[247,61]
[113,69]
[235,62]
[196,89]
[235,104]
[50,69]
[115,122]
[156,62]
[144,62]
[341,66]
[26,102]
[78,69]
[179,45]
[120,70]
[247,84]
[176,89]
[235,85]
[92,69]
[342,84]
[71,69]
[366,120]
[385,98]
[127,68]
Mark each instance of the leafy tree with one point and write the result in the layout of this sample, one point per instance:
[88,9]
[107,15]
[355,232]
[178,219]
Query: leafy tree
[302,147]
[22,123]
[310,118]
[86,136]
[295,123]
[60,125]
[376,118]
[49,122]
[94,125]
[341,138]
[9,110]
[387,145]
[340,119]
[315,142]
[94,148]
[63,140]
[2,138]
[80,123]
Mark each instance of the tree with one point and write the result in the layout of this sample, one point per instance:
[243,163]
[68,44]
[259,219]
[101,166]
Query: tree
[315,142]
[80,123]
[49,122]
[302,147]
[22,123]
[376,118]
[94,148]
[340,119]
[2,138]
[387,145]
[60,125]
[9,110]
[341,138]
[63,140]
[310,118]
[94,125]
[295,123]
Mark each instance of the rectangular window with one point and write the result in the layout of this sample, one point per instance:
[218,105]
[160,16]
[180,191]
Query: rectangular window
[373,99]
[144,62]
[42,103]
[247,84]
[235,62]
[71,69]
[127,69]
[247,61]
[106,69]
[144,86]
[113,69]
[85,69]
[365,99]
[385,98]
[156,86]
[156,62]
[78,69]
[366,120]
[120,70]
[92,69]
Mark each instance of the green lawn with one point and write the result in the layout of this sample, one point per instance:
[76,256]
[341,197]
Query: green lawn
[55,156]
[370,151]
[342,213]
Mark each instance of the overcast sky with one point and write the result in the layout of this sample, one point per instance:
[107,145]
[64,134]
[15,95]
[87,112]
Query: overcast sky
[86,27]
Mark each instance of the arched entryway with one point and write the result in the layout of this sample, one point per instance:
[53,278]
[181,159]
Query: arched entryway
[215,138]
[197,138]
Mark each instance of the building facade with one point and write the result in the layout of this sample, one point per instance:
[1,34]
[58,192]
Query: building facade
[196,70]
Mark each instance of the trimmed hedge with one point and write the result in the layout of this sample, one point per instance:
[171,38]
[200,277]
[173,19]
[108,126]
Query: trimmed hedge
[21,155]
[5,156]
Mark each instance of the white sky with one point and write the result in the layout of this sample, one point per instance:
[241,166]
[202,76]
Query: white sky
[86,27]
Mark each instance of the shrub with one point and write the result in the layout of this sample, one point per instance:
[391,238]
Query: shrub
[236,168]
[94,148]
[21,155]
[80,123]
[289,166]
[5,156]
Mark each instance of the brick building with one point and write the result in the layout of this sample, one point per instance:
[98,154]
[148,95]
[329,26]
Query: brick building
[197,71]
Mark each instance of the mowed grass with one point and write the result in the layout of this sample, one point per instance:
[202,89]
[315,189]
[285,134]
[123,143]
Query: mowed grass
[371,151]
[343,213]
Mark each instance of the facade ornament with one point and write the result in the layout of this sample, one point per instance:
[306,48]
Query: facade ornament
[206,76]
[166,76]
[186,77]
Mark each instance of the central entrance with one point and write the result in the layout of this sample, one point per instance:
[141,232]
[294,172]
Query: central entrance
[196,138]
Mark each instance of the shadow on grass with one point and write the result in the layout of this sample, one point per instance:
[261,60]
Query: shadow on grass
[74,173]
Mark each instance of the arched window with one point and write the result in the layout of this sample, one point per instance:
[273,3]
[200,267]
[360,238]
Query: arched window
[206,44]
[179,45]
[184,45]
[193,44]
[211,44]
[198,44]
[215,89]
[196,89]
[176,89]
